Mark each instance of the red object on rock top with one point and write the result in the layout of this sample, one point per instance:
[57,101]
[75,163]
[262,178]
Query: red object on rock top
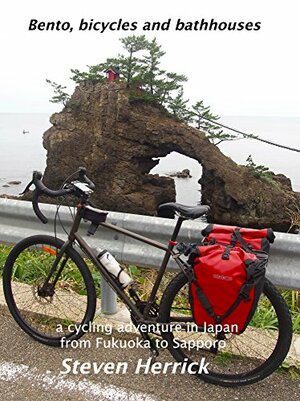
[112,74]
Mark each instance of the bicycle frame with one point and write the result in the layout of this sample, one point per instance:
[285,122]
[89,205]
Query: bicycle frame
[139,316]
[43,308]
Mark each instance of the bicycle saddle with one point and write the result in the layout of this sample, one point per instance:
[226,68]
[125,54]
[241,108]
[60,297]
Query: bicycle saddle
[190,212]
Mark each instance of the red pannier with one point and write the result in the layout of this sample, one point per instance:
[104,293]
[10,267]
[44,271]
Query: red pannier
[229,272]
[252,239]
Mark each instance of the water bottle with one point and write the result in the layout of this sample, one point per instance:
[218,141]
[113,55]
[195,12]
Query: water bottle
[111,265]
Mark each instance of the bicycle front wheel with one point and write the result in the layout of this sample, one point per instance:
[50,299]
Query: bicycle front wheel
[48,303]
[237,359]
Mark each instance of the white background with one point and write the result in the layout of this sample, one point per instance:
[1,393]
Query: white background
[237,73]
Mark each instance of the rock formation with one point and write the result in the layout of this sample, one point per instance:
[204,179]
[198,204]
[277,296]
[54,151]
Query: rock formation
[116,139]
[185,173]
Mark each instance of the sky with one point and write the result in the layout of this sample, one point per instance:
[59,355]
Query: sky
[236,73]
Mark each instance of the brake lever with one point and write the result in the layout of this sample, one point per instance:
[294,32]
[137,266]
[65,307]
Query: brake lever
[84,178]
[27,188]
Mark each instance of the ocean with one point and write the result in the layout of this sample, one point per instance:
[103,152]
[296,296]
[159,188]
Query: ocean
[21,151]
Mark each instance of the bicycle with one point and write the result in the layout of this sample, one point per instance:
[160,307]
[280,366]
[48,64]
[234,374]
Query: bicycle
[46,297]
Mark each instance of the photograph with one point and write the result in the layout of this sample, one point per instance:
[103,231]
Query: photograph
[149,200]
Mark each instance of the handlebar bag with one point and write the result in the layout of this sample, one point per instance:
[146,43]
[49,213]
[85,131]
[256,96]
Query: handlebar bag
[228,277]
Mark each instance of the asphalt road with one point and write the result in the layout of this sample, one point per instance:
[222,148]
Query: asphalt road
[32,371]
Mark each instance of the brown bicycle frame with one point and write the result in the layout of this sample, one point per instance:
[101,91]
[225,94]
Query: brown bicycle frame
[140,317]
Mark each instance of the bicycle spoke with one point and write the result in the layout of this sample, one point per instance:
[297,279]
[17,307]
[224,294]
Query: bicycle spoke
[237,358]
[38,304]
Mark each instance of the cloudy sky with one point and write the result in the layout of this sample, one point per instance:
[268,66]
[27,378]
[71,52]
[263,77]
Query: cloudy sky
[237,73]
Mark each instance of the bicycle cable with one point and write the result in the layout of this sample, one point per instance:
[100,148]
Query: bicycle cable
[57,216]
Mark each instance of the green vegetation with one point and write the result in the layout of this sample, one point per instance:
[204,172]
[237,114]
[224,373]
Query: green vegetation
[262,172]
[224,358]
[140,67]
[213,132]
[60,94]
[33,265]
[259,171]
[294,216]
[291,369]
[145,279]
[27,268]
[264,317]
[4,251]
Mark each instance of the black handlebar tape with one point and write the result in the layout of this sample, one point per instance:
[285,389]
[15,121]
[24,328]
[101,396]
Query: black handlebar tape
[42,189]
[35,205]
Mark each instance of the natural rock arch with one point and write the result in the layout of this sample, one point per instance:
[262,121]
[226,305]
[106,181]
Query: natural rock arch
[116,140]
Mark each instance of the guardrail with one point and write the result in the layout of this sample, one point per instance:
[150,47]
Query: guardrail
[17,221]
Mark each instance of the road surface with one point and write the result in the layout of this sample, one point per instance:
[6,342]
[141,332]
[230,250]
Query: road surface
[31,371]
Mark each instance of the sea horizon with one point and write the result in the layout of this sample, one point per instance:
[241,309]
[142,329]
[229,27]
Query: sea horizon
[20,153]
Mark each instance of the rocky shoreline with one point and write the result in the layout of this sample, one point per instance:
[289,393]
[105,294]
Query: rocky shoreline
[117,141]
[11,183]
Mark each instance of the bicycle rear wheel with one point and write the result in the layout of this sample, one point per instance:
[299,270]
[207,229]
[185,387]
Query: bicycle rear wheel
[238,360]
[64,306]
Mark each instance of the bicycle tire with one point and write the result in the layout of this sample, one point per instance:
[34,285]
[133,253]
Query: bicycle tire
[266,347]
[50,317]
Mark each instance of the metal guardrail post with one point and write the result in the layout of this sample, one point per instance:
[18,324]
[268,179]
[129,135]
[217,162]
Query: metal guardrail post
[108,299]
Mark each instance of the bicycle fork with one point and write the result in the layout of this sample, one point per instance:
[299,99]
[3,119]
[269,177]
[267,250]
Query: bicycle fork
[47,289]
